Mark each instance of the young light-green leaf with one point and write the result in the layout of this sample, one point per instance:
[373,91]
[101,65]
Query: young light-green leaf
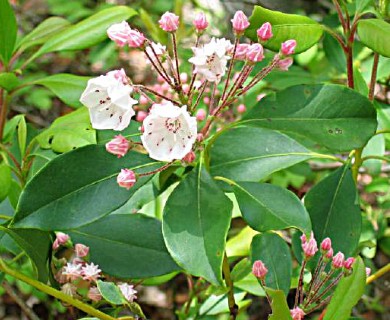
[111,292]
[375,34]
[280,310]
[195,225]
[304,30]
[8,30]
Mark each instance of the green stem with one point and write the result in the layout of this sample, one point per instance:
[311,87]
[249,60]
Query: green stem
[232,303]
[382,131]
[3,111]
[387,159]
[358,162]
[4,217]
[55,293]
[382,271]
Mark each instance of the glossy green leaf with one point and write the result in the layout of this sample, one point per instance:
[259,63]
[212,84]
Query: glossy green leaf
[280,310]
[86,33]
[251,154]
[8,80]
[5,180]
[274,252]
[37,245]
[267,207]
[127,246]
[77,188]
[347,294]
[334,209]
[43,32]
[195,225]
[67,87]
[304,30]
[375,34]
[334,116]
[8,30]
[110,292]
[68,132]
[334,53]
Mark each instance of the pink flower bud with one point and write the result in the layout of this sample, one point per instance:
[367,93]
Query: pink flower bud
[141,115]
[258,98]
[310,248]
[329,254]
[338,260]
[81,250]
[189,157]
[303,239]
[200,22]
[259,269]
[143,100]
[94,294]
[118,146]
[119,33]
[126,178]
[240,22]
[255,52]
[186,88]
[286,63]
[169,22]
[241,108]
[61,238]
[326,244]
[297,313]
[288,47]
[183,77]
[265,32]
[201,114]
[368,272]
[119,75]
[348,263]
[135,39]
[241,51]
[199,137]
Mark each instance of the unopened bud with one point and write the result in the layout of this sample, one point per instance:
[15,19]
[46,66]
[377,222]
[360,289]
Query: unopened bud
[118,146]
[297,313]
[265,32]
[119,32]
[169,22]
[310,247]
[141,115]
[94,294]
[61,239]
[126,178]
[259,269]
[329,254]
[255,52]
[81,250]
[201,114]
[136,39]
[240,22]
[241,108]
[368,271]
[338,260]
[200,22]
[288,47]
[189,157]
[284,64]
[348,263]
[326,244]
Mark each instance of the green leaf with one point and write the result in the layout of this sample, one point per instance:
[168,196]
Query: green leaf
[86,33]
[239,245]
[334,209]
[77,188]
[68,132]
[8,80]
[273,251]
[5,180]
[376,146]
[219,304]
[8,30]
[43,32]
[374,33]
[111,292]
[67,87]
[280,310]
[37,245]
[267,207]
[334,53]
[127,246]
[334,116]
[347,294]
[304,30]
[251,154]
[195,225]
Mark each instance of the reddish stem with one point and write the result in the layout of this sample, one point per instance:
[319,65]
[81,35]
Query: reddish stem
[373,76]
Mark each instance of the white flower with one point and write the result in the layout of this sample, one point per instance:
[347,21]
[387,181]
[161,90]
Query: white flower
[128,291]
[169,132]
[211,59]
[109,102]
[158,48]
[90,272]
[72,271]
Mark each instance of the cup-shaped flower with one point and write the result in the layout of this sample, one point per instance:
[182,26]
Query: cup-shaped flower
[240,22]
[118,146]
[91,272]
[288,47]
[119,33]
[338,260]
[259,269]
[200,22]
[169,22]
[126,178]
[135,39]
[81,250]
[286,63]
[109,103]
[211,59]
[264,32]
[72,271]
[255,52]
[169,132]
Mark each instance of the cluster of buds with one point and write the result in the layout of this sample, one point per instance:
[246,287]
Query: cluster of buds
[78,273]
[170,111]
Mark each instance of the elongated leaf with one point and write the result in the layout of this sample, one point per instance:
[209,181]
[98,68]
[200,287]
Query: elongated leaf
[5,180]
[195,224]
[77,188]
[375,34]
[36,244]
[127,246]
[251,154]
[273,251]
[86,33]
[332,115]
[304,30]
[67,87]
[43,32]
[8,30]
[267,207]
[280,310]
[347,294]
[334,210]
[8,80]
[111,292]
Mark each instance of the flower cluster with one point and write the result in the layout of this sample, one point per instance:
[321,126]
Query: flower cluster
[173,125]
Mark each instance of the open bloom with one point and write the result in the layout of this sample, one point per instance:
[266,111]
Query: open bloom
[211,59]
[109,102]
[91,272]
[72,271]
[128,291]
[169,132]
